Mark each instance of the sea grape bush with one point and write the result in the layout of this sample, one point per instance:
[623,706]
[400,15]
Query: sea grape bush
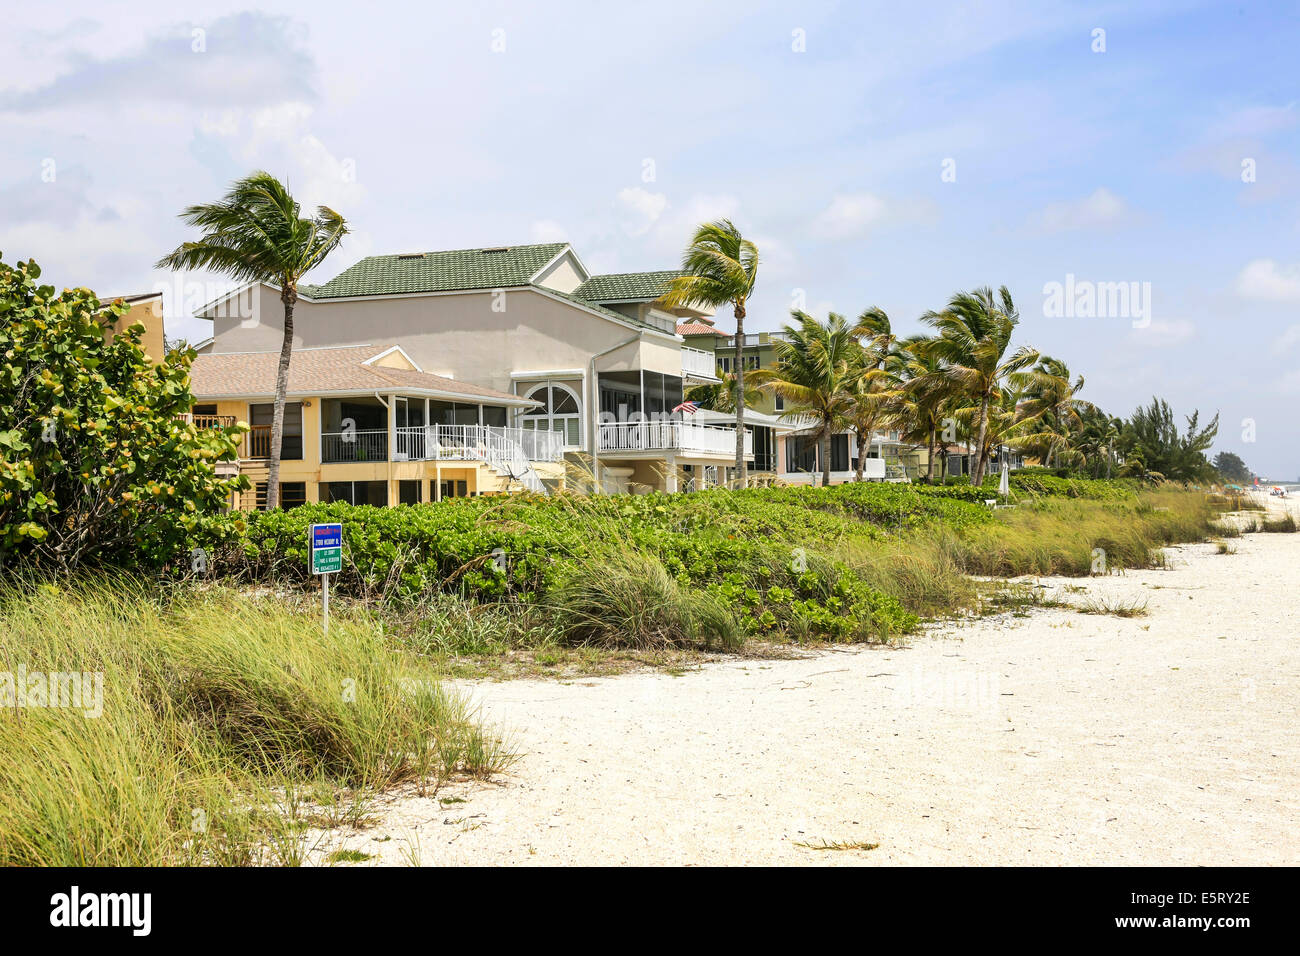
[95,465]
[764,552]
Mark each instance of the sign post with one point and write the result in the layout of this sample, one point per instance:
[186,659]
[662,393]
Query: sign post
[326,558]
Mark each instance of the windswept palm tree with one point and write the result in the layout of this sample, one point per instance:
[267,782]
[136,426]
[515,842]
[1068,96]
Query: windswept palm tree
[721,268]
[720,396]
[1052,398]
[256,234]
[924,397]
[871,392]
[974,334]
[816,363]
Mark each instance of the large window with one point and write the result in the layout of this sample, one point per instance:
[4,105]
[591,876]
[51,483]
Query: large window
[259,416]
[355,492]
[292,494]
[560,411]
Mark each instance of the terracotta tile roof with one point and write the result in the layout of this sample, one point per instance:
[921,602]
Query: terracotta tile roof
[322,371]
[697,328]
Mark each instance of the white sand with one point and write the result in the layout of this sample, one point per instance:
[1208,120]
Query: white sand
[1060,738]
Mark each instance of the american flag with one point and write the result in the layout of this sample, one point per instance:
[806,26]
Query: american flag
[690,408]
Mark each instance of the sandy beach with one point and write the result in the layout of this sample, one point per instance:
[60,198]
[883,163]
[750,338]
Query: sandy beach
[1056,738]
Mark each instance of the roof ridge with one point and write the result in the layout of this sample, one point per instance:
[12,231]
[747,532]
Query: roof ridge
[439,252]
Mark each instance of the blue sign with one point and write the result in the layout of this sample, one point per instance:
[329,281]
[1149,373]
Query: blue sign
[327,536]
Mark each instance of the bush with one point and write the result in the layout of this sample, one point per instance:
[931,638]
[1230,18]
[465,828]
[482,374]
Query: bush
[94,464]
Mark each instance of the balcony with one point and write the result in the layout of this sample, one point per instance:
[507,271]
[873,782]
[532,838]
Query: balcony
[672,436]
[697,363]
[354,445]
[477,443]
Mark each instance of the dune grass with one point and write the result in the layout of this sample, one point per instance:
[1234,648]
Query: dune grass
[226,723]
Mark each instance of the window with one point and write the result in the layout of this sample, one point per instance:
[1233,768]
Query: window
[292,494]
[839,453]
[355,492]
[560,411]
[780,403]
[259,416]
[449,488]
[209,409]
[409,492]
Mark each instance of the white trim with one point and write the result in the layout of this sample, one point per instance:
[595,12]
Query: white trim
[567,250]
[550,415]
[551,373]
[209,306]
[397,348]
[507,400]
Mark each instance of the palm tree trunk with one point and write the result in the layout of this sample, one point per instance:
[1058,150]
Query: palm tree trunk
[824,446]
[288,296]
[977,475]
[741,475]
[862,454]
[929,457]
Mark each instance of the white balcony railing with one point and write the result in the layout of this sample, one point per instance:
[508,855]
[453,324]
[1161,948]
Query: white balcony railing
[671,436]
[354,445]
[699,363]
[477,443]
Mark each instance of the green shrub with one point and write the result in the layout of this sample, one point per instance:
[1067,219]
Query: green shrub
[95,467]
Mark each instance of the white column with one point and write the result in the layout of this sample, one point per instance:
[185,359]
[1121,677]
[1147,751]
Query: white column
[670,479]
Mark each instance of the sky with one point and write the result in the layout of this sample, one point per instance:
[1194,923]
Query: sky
[878,154]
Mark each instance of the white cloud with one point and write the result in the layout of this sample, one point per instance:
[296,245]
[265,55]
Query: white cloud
[850,215]
[1102,208]
[1163,333]
[1289,384]
[547,230]
[1288,340]
[1265,279]
[641,209]
[246,58]
[280,140]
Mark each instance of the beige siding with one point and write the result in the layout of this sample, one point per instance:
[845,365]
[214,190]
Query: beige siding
[479,337]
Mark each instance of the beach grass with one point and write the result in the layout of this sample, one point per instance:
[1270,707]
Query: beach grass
[227,724]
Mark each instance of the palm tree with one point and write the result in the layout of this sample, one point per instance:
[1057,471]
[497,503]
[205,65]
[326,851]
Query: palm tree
[870,388]
[1050,394]
[924,396]
[816,364]
[974,335]
[256,234]
[721,395]
[721,268]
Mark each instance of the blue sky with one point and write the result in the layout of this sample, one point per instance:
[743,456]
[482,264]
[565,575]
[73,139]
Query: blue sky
[443,126]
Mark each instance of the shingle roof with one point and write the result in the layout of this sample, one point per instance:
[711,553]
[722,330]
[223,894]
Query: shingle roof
[320,371]
[698,328]
[624,286]
[487,268]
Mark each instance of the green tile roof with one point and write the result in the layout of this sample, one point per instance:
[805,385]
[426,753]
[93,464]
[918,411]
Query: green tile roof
[488,268]
[623,286]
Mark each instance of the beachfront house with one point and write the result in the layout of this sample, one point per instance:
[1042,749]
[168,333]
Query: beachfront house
[790,453]
[511,354]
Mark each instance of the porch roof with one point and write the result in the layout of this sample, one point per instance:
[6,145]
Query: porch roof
[329,371]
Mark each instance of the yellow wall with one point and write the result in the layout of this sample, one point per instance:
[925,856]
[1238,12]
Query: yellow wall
[478,477]
[148,313]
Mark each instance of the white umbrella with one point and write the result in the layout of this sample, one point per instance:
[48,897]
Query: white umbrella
[1004,483]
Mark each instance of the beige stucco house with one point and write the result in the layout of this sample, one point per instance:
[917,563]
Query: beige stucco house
[514,341]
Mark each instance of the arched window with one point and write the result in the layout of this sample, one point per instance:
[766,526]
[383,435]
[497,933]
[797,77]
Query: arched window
[560,411]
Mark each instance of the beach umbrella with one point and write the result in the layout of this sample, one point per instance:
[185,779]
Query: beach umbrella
[1004,483]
